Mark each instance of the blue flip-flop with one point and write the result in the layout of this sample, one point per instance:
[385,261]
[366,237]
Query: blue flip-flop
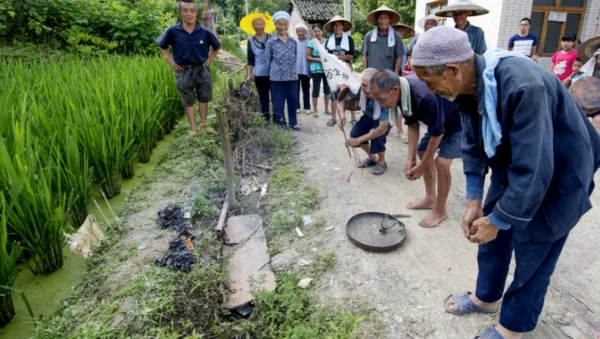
[490,333]
[464,305]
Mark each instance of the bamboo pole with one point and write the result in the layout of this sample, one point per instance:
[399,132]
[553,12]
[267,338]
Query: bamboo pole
[227,156]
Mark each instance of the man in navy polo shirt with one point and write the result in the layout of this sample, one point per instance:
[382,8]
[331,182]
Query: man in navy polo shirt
[191,44]
[444,132]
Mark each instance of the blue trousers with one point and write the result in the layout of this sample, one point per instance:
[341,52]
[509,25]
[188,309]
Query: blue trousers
[285,92]
[263,87]
[524,299]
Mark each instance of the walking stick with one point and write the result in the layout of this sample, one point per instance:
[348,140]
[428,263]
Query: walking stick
[339,116]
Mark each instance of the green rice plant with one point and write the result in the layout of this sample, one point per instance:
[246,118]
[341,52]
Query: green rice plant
[8,265]
[36,214]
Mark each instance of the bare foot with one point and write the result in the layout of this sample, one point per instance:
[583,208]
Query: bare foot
[492,307]
[423,204]
[403,137]
[433,218]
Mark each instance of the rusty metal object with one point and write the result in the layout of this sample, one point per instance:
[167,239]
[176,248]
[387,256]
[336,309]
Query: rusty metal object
[587,94]
[375,232]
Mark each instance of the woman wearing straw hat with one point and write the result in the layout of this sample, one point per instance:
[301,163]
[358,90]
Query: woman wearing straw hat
[281,57]
[340,44]
[260,26]
[460,10]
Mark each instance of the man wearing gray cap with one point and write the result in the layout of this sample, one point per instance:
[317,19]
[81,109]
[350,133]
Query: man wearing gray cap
[520,122]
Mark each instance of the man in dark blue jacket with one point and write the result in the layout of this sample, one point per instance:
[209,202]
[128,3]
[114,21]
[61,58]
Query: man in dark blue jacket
[543,152]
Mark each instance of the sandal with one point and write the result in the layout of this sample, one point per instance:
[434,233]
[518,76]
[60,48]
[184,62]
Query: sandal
[367,163]
[327,113]
[379,169]
[331,122]
[490,333]
[353,123]
[464,305]
[316,115]
[296,128]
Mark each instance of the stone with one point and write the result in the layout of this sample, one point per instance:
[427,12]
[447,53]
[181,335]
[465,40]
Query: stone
[284,260]
[572,332]
[304,283]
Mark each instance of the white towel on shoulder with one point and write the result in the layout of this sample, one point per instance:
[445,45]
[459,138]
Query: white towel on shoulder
[345,45]
[390,36]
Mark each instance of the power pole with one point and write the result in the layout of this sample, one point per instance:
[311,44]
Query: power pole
[347,10]
[246,6]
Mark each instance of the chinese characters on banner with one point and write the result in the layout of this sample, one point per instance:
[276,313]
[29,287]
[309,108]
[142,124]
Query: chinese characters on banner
[337,72]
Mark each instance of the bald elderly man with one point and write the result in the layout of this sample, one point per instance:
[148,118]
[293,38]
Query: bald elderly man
[520,122]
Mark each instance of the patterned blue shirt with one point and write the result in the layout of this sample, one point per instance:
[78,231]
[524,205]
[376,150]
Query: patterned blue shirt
[281,57]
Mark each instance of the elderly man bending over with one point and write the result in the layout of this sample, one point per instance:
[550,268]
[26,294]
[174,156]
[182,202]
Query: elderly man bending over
[371,130]
[444,132]
[520,121]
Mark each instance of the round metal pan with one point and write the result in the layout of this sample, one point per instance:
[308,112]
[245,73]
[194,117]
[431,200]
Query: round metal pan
[365,231]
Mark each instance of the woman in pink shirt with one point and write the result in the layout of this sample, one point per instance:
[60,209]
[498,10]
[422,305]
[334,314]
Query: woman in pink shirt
[562,61]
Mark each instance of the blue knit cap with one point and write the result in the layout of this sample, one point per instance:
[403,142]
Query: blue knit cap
[440,46]
[281,15]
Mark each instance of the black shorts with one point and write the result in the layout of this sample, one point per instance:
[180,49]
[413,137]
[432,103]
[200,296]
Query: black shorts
[194,82]
[364,125]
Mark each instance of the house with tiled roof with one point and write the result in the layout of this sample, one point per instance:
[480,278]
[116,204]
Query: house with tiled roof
[315,11]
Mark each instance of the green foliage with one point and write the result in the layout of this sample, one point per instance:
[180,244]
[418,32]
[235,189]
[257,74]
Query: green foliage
[290,312]
[406,8]
[269,7]
[95,26]
[232,45]
[8,267]
[85,124]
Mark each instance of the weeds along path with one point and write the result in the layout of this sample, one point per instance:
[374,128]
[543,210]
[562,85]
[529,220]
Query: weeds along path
[405,288]
[124,294]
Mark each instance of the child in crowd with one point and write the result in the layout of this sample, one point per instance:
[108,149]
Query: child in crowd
[562,61]
[577,73]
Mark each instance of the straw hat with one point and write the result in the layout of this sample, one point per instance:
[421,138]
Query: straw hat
[329,26]
[423,20]
[409,30]
[372,17]
[248,20]
[461,5]
[588,48]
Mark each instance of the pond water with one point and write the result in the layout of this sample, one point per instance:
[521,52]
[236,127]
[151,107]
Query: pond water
[45,293]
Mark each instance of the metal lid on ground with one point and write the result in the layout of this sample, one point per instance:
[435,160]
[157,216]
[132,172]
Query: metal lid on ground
[375,232]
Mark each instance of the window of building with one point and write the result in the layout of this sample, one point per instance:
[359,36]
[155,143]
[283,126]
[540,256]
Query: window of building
[549,32]
[435,6]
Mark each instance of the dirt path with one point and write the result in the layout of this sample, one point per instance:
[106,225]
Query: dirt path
[407,286]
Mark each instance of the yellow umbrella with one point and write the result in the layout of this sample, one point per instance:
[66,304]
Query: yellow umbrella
[248,20]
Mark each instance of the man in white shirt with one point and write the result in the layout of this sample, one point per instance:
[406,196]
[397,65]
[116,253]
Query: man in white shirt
[524,42]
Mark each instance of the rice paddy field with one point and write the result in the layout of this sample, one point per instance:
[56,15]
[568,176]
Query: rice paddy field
[70,128]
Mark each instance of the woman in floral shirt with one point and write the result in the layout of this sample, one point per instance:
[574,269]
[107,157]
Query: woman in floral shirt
[281,57]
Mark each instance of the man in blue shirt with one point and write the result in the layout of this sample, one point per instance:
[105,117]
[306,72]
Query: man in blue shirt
[522,123]
[524,43]
[444,132]
[460,11]
[371,130]
[191,44]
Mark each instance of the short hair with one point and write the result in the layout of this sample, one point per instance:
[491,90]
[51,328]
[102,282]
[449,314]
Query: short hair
[569,37]
[578,60]
[526,19]
[368,74]
[319,26]
[385,80]
[181,2]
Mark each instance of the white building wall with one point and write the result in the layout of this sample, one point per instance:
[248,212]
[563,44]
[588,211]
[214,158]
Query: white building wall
[512,12]
[591,20]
